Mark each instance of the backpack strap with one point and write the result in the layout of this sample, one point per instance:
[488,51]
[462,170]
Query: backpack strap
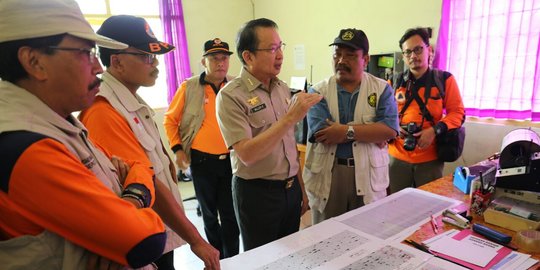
[438,79]
[427,95]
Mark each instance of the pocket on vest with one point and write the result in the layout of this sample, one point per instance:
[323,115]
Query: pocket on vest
[378,162]
[149,145]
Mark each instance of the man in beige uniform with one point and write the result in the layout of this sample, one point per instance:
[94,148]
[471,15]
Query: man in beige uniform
[256,115]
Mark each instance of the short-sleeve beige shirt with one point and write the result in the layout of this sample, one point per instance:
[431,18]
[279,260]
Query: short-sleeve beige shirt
[244,110]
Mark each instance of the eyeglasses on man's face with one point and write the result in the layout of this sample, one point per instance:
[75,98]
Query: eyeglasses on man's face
[274,49]
[344,56]
[416,50]
[92,53]
[148,58]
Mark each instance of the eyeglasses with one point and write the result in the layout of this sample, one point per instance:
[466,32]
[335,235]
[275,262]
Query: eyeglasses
[417,50]
[273,49]
[92,53]
[345,56]
[148,58]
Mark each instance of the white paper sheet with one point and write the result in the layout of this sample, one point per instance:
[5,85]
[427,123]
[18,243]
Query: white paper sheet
[512,262]
[299,57]
[397,215]
[340,243]
[435,263]
[306,249]
[467,249]
[328,245]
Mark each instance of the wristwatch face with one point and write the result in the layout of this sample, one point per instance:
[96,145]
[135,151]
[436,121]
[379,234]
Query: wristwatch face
[438,130]
[350,133]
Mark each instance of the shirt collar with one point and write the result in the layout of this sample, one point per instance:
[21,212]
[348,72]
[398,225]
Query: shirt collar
[203,81]
[253,83]
[132,102]
[422,79]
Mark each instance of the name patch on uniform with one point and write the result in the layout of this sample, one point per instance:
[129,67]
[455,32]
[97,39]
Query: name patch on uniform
[258,108]
[372,99]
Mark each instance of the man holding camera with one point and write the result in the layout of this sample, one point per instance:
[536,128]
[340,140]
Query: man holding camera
[346,166]
[413,155]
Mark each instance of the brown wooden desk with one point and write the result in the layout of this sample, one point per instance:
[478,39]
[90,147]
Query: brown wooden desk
[445,187]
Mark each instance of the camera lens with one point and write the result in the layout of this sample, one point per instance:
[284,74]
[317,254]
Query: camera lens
[410,141]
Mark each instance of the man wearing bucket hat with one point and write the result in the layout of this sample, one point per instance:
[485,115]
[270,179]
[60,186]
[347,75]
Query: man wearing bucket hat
[59,195]
[122,122]
[345,167]
[194,135]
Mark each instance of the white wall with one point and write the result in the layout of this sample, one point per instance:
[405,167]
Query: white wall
[208,19]
[315,23]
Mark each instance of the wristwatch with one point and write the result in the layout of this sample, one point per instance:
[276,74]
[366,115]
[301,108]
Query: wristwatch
[350,133]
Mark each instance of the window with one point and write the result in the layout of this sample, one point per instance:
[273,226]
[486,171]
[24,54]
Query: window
[491,47]
[97,11]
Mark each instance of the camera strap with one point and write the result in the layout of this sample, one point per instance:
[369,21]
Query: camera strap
[414,96]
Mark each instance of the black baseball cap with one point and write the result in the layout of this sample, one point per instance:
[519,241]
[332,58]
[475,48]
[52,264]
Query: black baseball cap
[216,46]
[135,32]
[353,38]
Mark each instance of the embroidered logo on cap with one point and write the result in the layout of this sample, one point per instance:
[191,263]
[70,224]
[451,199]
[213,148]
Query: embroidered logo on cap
[217,42]
[148,30]
[348,35]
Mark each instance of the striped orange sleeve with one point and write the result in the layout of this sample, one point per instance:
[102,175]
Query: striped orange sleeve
[173,116]
[61,195]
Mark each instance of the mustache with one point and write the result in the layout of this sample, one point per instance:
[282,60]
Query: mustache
[343,67]
[95,84]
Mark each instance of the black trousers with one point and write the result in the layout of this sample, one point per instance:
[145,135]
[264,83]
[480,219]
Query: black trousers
[266,209]
[166,261]
[212,182]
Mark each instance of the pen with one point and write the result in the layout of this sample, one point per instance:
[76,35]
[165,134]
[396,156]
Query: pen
[417,245]
[434,225]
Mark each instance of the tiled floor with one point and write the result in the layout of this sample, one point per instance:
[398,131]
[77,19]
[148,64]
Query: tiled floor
[183,256]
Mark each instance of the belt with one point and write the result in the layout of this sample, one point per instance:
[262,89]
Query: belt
[275,184]
[211,156]
[349,162]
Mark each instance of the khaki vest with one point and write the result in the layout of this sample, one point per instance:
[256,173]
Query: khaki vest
[193,113]
[371,162]
[133,106]
[23,111]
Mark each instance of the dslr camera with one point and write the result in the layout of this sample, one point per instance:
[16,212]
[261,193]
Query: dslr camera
[410,141]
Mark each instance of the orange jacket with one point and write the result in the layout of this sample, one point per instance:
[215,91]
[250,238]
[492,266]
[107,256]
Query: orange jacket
[114,129]
[208,139]
[48,188]
[455,113]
